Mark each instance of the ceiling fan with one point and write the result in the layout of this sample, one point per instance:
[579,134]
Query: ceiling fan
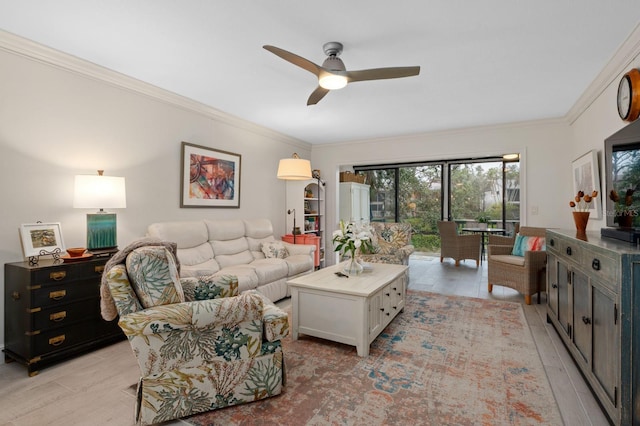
[332,75]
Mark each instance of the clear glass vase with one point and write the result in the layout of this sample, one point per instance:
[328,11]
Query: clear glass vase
[353,267]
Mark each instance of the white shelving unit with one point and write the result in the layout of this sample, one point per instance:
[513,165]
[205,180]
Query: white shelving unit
[307,197]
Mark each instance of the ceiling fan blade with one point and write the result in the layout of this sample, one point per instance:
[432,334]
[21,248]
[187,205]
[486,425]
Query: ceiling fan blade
[294,59]
[317,95]
[382,73]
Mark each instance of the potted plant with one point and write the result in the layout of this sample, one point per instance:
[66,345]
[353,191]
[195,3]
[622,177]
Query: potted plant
[483,220]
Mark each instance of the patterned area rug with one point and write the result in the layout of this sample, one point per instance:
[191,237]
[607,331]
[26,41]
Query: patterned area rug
[445,360]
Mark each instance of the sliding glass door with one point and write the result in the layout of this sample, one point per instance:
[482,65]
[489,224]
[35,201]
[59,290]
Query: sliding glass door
[469,192]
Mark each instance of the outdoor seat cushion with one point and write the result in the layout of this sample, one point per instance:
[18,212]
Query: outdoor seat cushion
[508,258]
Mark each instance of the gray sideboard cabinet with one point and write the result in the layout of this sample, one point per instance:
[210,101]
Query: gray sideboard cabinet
[593,288]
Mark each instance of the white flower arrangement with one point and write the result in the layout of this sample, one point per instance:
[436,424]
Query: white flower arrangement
[352,237]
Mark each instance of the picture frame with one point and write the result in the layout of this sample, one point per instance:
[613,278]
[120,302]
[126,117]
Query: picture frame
[586,178]
[41,239]
[209,177]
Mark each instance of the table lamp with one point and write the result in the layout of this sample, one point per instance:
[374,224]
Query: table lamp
[100,192]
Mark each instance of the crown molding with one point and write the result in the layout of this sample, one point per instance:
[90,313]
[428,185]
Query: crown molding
[439,134]
[17,45]
[622,58]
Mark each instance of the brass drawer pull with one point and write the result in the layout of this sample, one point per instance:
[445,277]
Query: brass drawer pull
[57,276]
[57,295]
[99,269]
[58,316]
[57,341]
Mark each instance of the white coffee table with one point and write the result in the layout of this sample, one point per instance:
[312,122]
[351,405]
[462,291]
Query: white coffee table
[351,310]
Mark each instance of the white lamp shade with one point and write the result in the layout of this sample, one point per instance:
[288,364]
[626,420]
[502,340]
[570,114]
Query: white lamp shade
[294,169]
[99,192]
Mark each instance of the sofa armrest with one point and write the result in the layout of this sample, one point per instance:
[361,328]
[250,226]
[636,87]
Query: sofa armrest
[192,334]
[407,250]
[221,313]
[294,249]
[208,287]
[275,320]
[536,259]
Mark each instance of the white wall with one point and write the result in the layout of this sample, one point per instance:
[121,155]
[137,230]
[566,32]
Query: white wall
[545,149]
[56,122]
[594,125]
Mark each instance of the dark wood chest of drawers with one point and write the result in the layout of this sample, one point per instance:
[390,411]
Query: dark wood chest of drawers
[52,312]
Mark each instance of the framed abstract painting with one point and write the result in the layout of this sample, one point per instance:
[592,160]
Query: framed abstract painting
[210,177]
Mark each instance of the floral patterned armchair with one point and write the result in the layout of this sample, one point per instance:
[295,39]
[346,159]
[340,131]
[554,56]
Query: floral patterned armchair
[391,243]
[200,346]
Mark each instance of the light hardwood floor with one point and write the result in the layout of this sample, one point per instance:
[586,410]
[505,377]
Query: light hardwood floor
[94,389]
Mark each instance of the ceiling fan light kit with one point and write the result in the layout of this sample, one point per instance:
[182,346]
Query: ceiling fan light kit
[332,75]
[332,81]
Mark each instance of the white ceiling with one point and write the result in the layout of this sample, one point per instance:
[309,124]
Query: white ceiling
[482,62]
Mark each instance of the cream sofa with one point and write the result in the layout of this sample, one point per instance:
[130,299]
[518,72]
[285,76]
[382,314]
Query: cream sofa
[235,247]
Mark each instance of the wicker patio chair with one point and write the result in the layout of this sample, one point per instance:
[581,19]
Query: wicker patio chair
[525,274]
[504,240]
[458,247]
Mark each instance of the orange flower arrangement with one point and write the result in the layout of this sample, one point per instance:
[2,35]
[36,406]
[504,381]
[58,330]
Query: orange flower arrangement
[582,202]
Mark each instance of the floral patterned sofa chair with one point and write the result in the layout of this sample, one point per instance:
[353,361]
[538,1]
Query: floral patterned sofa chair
[391,243]
[199,345]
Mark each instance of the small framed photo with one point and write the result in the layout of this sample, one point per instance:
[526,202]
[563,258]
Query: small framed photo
[210,177]
[40,239]
[586,178]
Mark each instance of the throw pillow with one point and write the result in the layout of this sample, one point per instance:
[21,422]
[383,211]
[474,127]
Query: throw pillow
[154,277]
[274,249]
[524,243]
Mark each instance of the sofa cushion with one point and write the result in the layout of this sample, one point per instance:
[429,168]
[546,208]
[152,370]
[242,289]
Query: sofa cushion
[206,268]
[242,258]
[274,250]
[153,274]
[269,270]
[186,234]
[387,238]
[223,230]
[258,228]
[255,245]
[199,255]
[507,258]
[232,252]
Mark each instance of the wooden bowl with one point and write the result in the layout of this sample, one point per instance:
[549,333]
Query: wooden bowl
[76,251]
